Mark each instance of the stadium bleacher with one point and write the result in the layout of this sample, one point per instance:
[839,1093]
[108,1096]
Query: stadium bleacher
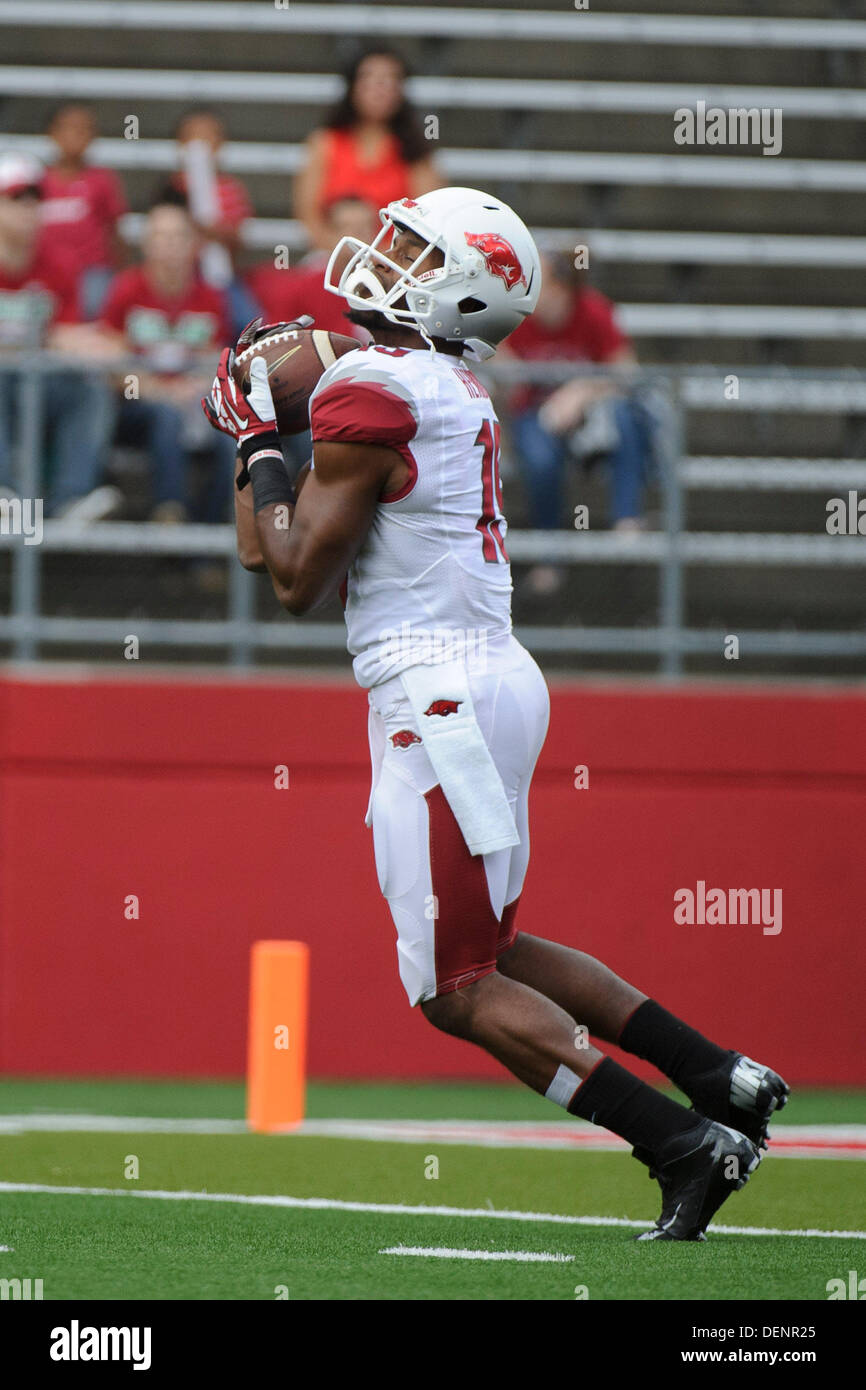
[730,259]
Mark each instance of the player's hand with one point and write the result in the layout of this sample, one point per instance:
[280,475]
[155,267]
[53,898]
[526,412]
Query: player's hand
[256,330]
[243,417]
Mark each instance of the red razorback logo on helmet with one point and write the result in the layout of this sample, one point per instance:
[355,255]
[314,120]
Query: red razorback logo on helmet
[404,738]
[443,707]
[501,257]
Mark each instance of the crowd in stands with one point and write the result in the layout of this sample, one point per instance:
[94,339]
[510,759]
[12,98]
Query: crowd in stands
[69,283]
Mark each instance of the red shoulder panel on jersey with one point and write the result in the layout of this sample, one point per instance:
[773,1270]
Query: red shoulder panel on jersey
[361,412]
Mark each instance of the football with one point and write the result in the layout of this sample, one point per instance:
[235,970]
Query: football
[296,358]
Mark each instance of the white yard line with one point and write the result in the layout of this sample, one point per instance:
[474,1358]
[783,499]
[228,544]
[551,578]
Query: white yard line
[439,1252]
[395,1209]
[787,1141]
[62,1123]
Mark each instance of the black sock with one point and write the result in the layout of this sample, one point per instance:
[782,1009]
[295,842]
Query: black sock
[612,1097]
[671,1045]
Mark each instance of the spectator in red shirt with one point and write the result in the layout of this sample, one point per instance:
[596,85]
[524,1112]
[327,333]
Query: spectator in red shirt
[82,204]
[283,294]
[164,312]
[38,309]
[372,142]
[585,417]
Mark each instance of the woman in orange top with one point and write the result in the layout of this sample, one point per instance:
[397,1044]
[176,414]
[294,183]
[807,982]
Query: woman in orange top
[372,145]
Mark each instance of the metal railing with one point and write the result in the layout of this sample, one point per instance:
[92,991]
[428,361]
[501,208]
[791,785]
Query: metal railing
[672,549]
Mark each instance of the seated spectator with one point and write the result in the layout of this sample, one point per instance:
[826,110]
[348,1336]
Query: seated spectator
[283,294]
[81,205]
[38,308]
[219,205]
[372,144]
[163,311]
[585,418]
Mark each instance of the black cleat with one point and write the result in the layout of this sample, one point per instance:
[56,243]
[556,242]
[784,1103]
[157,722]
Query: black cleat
[697,1172]
[742,1094]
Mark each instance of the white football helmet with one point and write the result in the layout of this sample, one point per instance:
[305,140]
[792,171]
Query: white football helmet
[488,284]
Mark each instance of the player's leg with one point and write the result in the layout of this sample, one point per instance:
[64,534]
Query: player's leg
[590,992]
[447,933]
[697,1162]
[721,1083]
[587,990]
[724,1085]
[447,936]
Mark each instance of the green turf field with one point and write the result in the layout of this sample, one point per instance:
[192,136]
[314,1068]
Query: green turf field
[210,1243]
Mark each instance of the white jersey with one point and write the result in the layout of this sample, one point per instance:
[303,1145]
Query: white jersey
[432,580]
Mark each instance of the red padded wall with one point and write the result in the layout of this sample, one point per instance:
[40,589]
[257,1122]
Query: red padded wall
[165,789]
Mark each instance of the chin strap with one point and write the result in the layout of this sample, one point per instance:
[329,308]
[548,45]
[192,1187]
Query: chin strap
[426,336]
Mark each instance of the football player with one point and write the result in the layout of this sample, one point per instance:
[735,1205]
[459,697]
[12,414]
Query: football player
[401,510]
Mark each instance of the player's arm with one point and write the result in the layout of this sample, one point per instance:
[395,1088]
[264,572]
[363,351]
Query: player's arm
[307,561]
[245,526]
[306,543]
[249,553]
[228,411]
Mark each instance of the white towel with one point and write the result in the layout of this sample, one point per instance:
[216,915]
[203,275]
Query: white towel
[445,718]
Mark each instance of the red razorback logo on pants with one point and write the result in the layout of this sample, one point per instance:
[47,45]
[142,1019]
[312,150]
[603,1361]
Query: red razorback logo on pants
[443,707]
[404,738]
[501,257]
